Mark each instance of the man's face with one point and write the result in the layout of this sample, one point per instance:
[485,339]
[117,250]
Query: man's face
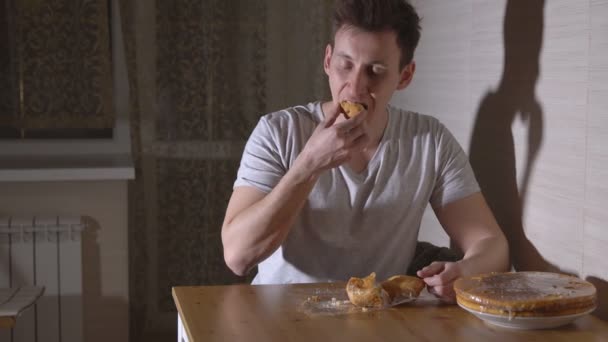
[364,67]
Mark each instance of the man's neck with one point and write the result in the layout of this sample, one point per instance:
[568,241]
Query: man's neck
[377,124]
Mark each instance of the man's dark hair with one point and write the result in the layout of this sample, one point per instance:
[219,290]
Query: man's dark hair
[380,15]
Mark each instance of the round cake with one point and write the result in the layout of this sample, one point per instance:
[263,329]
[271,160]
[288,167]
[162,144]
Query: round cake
[526,294]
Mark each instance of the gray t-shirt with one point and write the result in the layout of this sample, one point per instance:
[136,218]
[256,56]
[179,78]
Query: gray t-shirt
[356,223]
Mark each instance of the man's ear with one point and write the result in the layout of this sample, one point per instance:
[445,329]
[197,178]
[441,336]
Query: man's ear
[327,58]
[407,74]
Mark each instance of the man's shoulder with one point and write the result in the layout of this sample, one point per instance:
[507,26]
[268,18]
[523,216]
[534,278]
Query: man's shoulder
[294,116]
[414,121]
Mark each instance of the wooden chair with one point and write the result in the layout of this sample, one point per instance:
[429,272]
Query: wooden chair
[15,300]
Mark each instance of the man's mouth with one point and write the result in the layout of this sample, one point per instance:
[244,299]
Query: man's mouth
[352,108]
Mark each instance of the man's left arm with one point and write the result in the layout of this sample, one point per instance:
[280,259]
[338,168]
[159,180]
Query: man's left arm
[472,227]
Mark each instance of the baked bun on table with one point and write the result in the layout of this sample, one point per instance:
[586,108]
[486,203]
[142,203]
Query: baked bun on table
[367,293]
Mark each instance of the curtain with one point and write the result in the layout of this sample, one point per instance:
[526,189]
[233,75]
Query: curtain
[8,92]
[201,73]
[57,58]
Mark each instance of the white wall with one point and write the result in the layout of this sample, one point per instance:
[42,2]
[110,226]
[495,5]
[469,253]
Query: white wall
[461,66]
[105,254]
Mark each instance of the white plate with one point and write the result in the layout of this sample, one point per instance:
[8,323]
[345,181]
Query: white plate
[527,323]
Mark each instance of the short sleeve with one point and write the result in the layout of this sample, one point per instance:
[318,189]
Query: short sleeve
[261,165]
[454,176]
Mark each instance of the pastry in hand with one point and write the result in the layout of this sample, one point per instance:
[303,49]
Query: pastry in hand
[403,287]
[351,109]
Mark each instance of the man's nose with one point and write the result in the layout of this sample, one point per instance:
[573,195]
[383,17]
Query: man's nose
[359,83]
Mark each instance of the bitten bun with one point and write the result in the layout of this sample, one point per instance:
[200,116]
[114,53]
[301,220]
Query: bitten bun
[351,109]
[364,292]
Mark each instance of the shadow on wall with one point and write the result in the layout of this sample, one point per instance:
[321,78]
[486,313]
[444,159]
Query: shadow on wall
[492,151]
[602,296]
[99,310]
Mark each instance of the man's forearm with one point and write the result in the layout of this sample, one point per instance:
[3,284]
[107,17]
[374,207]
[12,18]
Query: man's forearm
[256,232]
[489,254]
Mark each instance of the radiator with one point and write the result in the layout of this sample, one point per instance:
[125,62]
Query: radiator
[44,252]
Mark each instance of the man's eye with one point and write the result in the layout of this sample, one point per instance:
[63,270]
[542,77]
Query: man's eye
[376,71]
[345,66]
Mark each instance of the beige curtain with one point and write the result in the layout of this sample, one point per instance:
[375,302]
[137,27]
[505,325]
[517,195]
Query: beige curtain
[56,65]
[201,73]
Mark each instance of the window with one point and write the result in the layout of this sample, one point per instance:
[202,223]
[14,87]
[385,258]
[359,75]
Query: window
[56,56]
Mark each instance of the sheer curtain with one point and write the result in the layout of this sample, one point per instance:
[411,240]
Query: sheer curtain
[55,62]
[201,73]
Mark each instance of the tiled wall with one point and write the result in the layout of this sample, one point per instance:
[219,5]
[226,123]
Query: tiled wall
[477,73]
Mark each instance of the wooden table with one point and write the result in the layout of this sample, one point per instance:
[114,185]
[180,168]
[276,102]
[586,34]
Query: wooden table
[306,312]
